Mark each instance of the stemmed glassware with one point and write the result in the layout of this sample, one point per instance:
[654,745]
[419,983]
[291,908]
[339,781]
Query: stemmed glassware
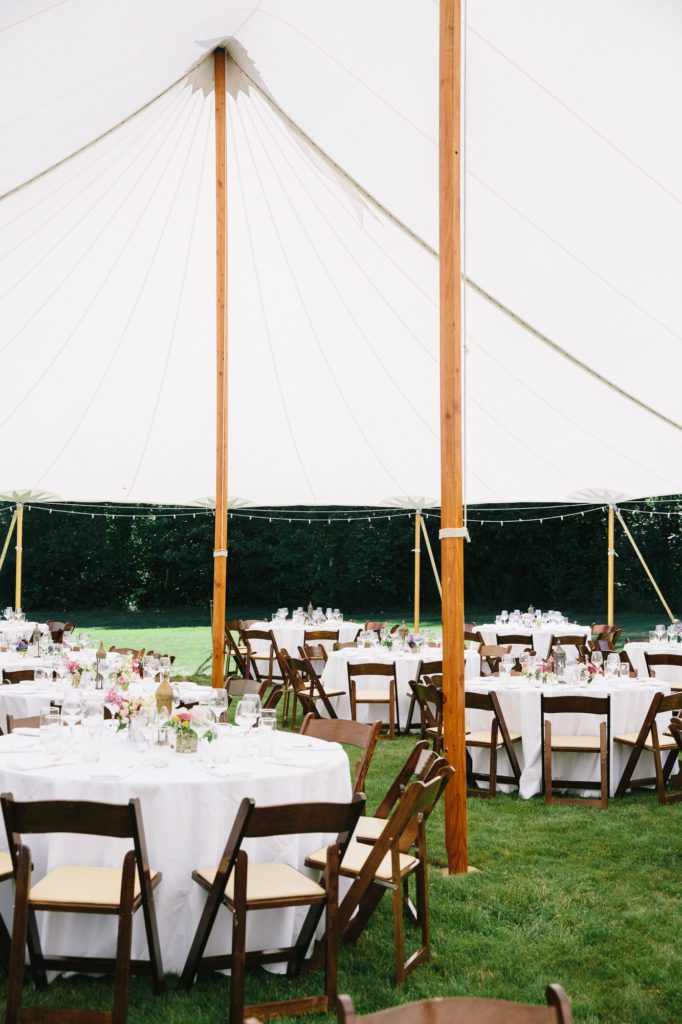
[247,712]
[72,709]
[597,659]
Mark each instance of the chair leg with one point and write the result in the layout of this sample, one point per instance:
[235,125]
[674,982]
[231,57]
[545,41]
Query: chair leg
[119,1012]
[200,940]
[398,922]
[410,714]
[331,967]
[604,761]
[238,979]
[5,946]
[15,981]
[492,781]
[391,712]
[153,943]
[394,683]
[548,763]
[628,772]
[660,781]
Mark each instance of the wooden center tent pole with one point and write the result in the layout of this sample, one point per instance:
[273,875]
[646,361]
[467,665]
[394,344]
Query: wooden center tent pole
[20,554]
[417,567]
[5,546]
[611,565]
[220,540]
[452,514]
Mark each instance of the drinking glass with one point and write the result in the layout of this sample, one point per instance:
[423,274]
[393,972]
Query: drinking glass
[72,709]
[652,636]
[612,664]
[84,639]
[50,732]
[247,712]
[672,634]
[268,719]
[165,664]
[660,631]
[624,670]
[504,616]
[91,732]
[597,659]
[219,702]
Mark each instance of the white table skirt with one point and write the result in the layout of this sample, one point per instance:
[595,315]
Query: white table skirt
[335,677]
[636,651]
[187,814]
[520,703]
[541,637]
[290,636]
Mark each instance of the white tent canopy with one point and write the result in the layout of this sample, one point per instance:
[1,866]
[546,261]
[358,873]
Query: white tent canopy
[573,229]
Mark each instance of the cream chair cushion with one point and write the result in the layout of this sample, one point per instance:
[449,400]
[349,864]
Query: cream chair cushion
[269,882]
[5,864]
[482,738]
[630,738]
[84,885]
[354,860]
[369,828]
[576,743]
[373,696]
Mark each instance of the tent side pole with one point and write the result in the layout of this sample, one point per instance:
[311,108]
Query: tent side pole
[20,555]
[431,558]
[611,565]
[417,567]
[646,568]
[452,520]
[5,546]
[220,540]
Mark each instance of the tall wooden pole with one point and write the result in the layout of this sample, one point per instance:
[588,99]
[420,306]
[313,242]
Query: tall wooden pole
[220,543]
[611,565]
[5,546]
[417,567]
[452,518]
[20,553]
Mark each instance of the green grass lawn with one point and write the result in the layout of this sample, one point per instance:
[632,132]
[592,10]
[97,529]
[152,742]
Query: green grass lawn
[588,899]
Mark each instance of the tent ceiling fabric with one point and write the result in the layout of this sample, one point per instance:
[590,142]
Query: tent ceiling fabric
[573,224]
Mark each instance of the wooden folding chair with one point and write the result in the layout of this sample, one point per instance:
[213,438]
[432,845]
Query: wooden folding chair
[297,682]
[351,734]
[387,696]
[255,660]
[18,675]
[235,649]
[317,687]
[344,646]
[420,765]
[665,666]
[388,864]
[320,637]
[241,887]
[376,627]
[56,631]
[605,636]
[519,643]
[570,744]
[429,697]
[576,640]
[649,738]
[491,655]
[241,687]
[424,668]
[493,739]
[133,652]
[465,1010]
[80,890]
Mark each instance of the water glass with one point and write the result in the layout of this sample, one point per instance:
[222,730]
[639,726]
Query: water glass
[624,670]
[50,732]
[597,659]
[652,636]
[612,664]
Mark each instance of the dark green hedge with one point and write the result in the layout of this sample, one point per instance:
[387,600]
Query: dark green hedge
[77,562]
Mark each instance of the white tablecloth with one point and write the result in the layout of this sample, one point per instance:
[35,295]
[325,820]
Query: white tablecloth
[542,636]
[14,630]
[635,651]
[290,636]
[187,815]
[520,703]
[335,677]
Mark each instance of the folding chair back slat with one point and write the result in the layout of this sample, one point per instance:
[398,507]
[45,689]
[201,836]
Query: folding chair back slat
[351,734]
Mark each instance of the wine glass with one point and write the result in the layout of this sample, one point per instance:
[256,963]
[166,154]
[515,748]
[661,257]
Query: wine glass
[219,702]
[597,659]
[612,664]
[660,632]
[72,709]
[247,712]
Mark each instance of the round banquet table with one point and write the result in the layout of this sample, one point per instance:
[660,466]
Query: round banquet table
[335,677]
[520,703]
[541,635]
[187,812]
[636,651]
[290,636]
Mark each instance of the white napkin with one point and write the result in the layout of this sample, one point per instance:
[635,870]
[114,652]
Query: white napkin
[225,771]
[25,731]
[13,744]
[297,743]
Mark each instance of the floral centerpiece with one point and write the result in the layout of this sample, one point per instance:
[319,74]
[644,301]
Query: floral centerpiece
[124,708]
[22,647]
[183,722]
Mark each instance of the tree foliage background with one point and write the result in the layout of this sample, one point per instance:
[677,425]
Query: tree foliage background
[74,561]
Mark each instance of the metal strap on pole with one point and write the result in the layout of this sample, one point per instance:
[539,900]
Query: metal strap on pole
[647,570]
[454,531]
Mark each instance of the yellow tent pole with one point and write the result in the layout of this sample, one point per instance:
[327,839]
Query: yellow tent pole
[417,567]
[20,539]
[8,538]
[647,570]
[432,559]
[611,565]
